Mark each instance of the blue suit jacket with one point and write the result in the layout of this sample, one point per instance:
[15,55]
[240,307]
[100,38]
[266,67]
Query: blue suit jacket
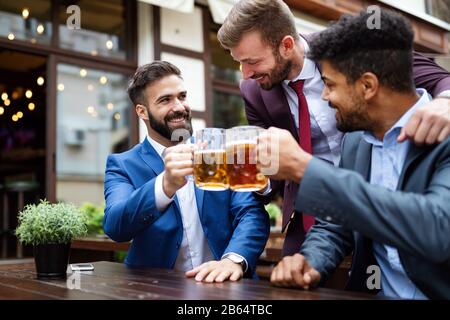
[232,221]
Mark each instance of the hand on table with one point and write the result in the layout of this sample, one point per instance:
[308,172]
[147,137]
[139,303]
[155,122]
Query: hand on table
[217,271]
[294,271]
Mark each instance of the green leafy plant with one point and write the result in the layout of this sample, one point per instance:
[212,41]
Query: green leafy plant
[273,210]
[47,223]
[94,217]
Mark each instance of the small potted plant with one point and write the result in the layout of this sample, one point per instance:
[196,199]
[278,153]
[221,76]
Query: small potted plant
[50,228]
[274,212]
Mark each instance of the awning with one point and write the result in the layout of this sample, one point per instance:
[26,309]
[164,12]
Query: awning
[220,9]
[186,6]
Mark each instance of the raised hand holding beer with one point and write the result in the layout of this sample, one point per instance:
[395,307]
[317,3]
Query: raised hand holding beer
[178,163]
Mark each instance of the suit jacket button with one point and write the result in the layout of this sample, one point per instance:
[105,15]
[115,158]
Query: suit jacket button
[328,218]
[146,219]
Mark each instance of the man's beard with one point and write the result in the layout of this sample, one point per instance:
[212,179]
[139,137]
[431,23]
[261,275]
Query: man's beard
[165,130]
[278,74]
[354,120]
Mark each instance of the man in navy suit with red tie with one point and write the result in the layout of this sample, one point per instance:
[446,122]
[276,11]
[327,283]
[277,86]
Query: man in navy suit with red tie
[282,88]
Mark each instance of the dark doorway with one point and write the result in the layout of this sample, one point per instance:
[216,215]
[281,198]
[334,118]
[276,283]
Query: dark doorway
[22,139]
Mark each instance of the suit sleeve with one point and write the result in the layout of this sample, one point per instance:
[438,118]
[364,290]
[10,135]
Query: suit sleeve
[251,228]
[429,75]
[416,223]
[128,210]
[325,247]
[326,244]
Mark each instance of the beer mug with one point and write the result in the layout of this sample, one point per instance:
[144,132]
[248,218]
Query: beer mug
[243,174]
[209,160]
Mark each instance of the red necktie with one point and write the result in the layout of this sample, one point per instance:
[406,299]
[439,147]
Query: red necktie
[294,235]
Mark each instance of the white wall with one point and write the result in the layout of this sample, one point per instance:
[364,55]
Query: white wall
[145,45]
[414,6]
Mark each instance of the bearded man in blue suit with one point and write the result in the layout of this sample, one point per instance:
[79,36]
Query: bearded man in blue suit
[212,235]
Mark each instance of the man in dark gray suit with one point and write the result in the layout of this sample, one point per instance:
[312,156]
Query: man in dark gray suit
[389,203]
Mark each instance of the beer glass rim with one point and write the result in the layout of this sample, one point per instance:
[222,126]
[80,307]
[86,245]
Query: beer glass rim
[246,127]
[210,129]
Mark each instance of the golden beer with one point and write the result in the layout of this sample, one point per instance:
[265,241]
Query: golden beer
[210,172]
[243,175]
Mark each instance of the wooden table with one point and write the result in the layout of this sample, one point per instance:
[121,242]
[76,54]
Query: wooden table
[116,281]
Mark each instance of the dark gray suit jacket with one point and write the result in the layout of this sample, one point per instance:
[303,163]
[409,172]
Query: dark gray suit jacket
[415,219]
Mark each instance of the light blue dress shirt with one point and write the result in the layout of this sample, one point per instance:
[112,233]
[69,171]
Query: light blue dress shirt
[388,158]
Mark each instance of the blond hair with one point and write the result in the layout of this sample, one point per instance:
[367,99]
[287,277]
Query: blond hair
[271,18]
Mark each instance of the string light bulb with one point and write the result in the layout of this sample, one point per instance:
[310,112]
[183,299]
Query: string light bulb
[40,29]
[25,13]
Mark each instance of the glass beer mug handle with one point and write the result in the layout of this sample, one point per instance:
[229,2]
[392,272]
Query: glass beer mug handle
[190,141]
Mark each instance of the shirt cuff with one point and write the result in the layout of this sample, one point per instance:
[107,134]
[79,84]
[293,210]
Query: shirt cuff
[236,258]
[161,199]
[267,189]
[444,94]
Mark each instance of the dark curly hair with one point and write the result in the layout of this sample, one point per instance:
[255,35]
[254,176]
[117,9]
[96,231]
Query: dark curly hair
[353,48]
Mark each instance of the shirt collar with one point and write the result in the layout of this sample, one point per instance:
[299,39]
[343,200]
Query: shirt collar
[424,98]
[309,67]
[159,148]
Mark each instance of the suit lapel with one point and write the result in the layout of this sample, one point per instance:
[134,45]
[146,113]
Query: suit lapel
[278,109]
[414,153]
[363,159]
[199,196]
[154,161]
[151,157]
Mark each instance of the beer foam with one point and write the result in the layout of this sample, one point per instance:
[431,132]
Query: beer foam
[210,151]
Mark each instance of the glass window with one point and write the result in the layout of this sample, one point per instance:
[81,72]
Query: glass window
[229,110]
[93,120]
[102,29]
[439,8]
[223,67]
[228,105]
[26,20]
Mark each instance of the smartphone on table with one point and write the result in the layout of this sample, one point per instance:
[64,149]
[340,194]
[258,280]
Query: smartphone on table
[81,267]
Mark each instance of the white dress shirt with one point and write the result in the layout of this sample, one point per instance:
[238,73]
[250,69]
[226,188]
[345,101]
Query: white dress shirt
[194,249]
[325,138]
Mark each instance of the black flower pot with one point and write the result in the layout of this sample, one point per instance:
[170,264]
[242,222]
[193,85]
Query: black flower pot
[51,260]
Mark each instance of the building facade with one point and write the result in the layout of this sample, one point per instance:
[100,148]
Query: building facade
[65,67]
